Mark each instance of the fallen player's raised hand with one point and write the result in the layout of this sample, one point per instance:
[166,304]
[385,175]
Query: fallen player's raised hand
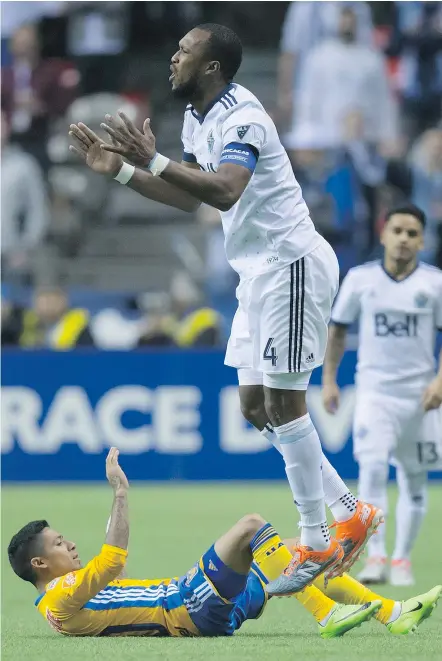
[87,145]
[114,473]
[135,146]
[433,395]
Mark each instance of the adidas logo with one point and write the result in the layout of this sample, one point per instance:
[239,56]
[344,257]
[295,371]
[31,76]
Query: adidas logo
[212,566]
[310,358]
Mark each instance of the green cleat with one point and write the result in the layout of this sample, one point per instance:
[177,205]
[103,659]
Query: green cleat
[344,618]
[414,611]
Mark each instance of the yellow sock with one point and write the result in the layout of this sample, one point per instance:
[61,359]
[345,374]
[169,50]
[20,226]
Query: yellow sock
[346,590]
[316,602]
[271,557]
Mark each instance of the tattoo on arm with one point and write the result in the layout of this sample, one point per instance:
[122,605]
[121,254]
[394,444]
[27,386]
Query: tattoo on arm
[118,532]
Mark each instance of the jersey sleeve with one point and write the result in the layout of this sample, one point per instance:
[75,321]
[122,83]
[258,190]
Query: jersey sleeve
[73,590]
[243,135]
[346,308]
[186,139]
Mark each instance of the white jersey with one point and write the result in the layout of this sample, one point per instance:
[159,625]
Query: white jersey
[398,320]
[269,226]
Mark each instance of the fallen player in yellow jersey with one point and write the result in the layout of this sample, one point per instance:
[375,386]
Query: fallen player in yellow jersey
[225,588]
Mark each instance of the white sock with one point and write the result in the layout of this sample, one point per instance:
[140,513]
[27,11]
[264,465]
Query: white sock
[373,478]
[301,449]
[410,511]
[397,610]
[337,495]
[338,498]
[272,438]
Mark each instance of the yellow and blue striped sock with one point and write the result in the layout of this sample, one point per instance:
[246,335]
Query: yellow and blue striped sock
[271,557]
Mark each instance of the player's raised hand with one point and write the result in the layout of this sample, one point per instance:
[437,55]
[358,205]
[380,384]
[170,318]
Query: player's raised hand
[87,145]
[433,395]
[330,397]
[114,473]
[135,146]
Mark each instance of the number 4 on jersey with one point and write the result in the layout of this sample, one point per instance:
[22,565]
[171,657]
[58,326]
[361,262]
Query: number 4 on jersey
[270,352]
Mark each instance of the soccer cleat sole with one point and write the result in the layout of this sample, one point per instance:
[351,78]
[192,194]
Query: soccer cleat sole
[348,563]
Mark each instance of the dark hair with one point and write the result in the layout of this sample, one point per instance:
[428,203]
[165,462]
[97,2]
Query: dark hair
[410,210]
[225,46]
[23,547]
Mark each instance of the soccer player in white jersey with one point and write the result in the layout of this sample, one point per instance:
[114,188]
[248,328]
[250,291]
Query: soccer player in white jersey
[398,417]
[233,160]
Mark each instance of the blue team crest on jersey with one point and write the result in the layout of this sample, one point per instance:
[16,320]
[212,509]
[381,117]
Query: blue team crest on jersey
[242,130]
[210,141]
[421,300]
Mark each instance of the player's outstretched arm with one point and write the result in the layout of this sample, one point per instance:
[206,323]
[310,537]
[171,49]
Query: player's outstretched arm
[88,145]
[335,350]
[221,189]
[78,587]
[118,529]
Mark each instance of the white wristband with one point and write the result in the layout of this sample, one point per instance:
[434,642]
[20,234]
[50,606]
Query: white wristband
[125,174]
[158,164]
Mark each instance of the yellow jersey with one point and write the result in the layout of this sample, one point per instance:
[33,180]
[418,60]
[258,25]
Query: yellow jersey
[93,602]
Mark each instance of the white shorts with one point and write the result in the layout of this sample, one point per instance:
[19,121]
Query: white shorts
[298,381]
[281,324]
[398,431]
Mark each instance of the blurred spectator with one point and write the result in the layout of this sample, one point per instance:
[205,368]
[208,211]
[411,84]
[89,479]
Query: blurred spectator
[341,77]
[417,41]
[97,36]
[221,279]
[12,316]
[113,330]
[50,323]
[25,213]
[16,14]
[306,26]
[188,324]
[35,91]
[331,190]
[421,181]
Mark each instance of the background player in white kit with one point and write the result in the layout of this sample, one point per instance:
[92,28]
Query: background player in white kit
[233,160]
[398,417]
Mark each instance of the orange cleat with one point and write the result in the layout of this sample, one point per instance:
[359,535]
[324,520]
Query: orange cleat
[305,567]
[354,534]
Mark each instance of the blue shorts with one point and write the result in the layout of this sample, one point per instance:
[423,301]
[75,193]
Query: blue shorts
[212,614]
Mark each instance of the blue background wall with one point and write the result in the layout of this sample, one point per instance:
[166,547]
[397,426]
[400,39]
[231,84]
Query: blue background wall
[173,415]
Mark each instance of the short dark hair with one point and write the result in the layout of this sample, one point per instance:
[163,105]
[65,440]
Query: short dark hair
[23,547]
[225,46]
[410,210]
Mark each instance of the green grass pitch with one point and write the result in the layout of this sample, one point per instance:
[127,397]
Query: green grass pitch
[171,525]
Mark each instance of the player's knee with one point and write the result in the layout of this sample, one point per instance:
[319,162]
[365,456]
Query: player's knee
[418,502]
[283,406]
[249,526]
[253,412]
[417,492]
